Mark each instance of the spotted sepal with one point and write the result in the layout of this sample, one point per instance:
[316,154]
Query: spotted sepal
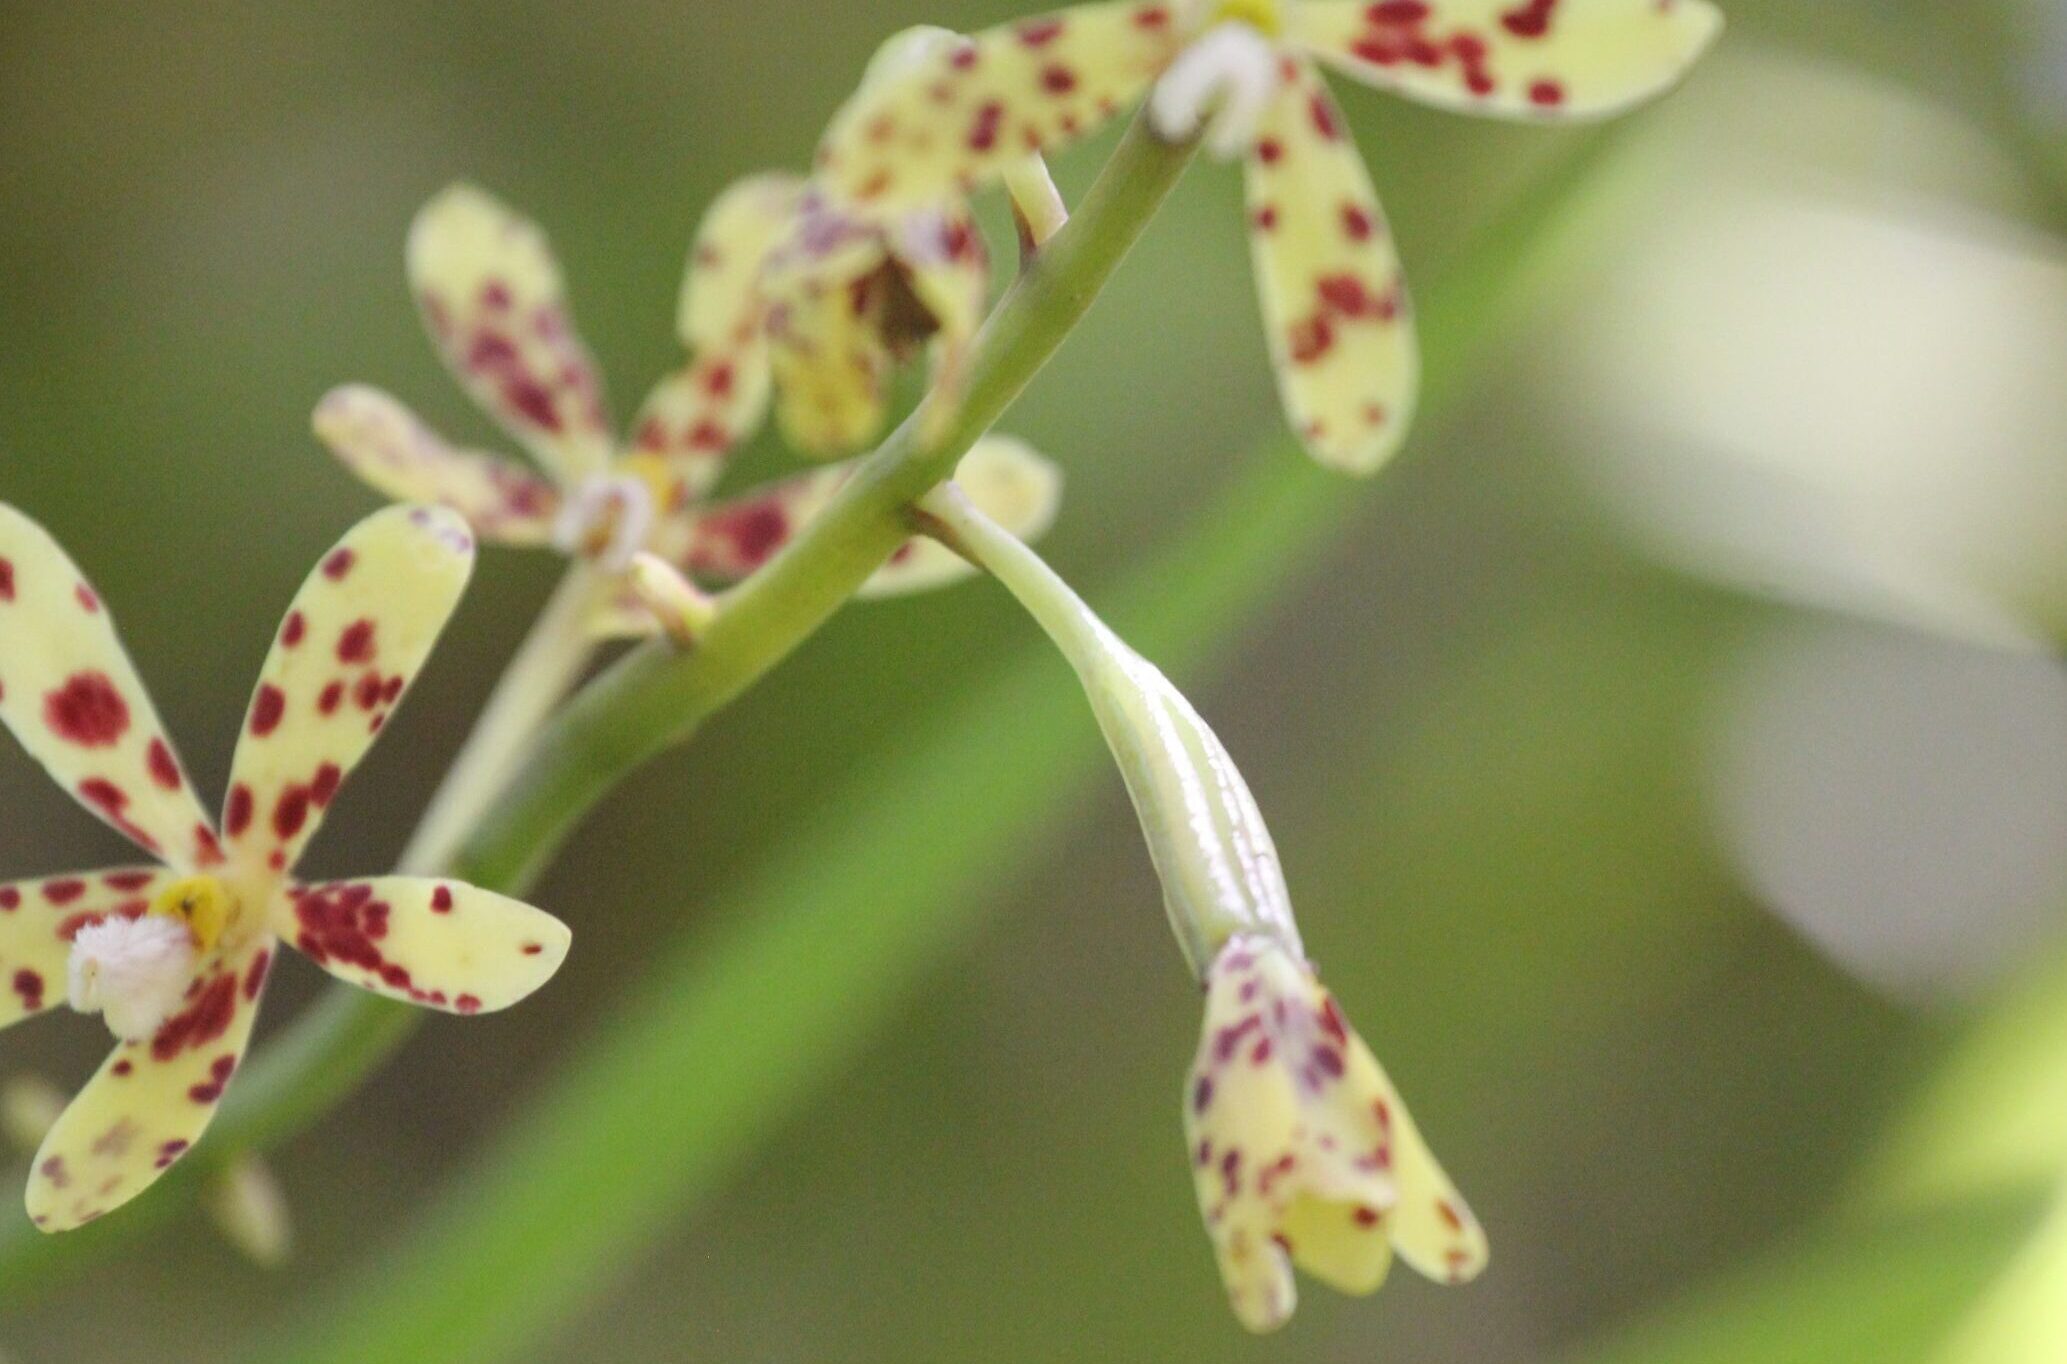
[495,306]
[1527,59]
[939,114]
[443,944]
[38,919]
[696,417]
[838,312]
[151,1099]
[72,698]
[1301,1151]
[353,640]
[1335,308]
[391,448]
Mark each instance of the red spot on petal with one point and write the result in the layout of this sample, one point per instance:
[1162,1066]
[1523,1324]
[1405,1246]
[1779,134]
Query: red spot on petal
[208,1016]
[332,696]
[87,711]
[89,602]
[355,645]
[291,812]
[324,787]
[441,900]
[10,898]
[164,769]
[983,133]
[297,626]
[467,1004]
[6,580]
[255,975]
[63,892]
[267,708]
[338,564]
[29,985]
[1547,94]
[113,803]
[236,816]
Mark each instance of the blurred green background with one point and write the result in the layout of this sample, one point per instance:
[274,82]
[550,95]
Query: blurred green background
[1786,397]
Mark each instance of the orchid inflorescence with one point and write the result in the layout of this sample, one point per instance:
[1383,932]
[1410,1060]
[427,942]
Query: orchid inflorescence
[808,296]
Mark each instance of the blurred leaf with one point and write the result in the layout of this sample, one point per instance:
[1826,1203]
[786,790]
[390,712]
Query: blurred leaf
[1886,1294]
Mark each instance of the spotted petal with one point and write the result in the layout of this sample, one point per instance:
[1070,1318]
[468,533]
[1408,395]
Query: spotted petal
[832,366]
[388,446]
[942,253]
[697,416]
[151,1100]
[72,698]
[38,919]
[493,300]
[358,631]
[1335,308]
[939,114]
[1535,59]
[721,303]
[1430,1227]
[443,944]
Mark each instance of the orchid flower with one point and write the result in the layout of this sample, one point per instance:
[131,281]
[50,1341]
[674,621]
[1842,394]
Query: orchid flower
[1302,1152]
[493,301]
[787,288]
[173,955]
[934,122]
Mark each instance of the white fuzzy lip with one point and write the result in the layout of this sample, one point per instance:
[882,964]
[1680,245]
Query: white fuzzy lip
[620,501]
[133,972]
[1224,84]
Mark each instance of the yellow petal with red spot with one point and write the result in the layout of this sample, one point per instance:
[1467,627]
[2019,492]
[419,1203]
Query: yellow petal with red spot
[941,252]
[1301,1150]
[1430,1227]
[497,311]
[38,919]
[442,944]
[833,296]
[697,416]
[721,304]
[388,446]
[1335,308]
[72,698]
[354,639]
[1535,59]
[151,1099]
[939,114]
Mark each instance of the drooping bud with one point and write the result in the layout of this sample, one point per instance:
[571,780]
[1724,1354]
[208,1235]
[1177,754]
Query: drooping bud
[1219,869]
[1301,1149]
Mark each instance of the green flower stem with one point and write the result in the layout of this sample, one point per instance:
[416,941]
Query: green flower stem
[1204,833]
